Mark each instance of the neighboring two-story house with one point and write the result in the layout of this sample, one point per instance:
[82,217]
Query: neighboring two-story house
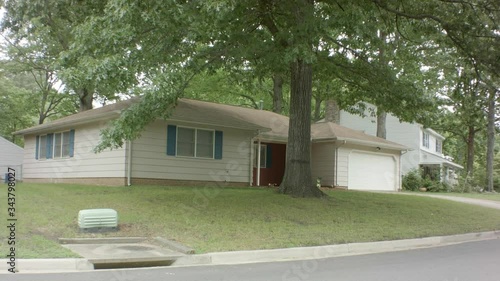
[426,144]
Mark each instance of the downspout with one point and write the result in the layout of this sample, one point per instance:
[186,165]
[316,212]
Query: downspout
[258,162]
[129,163]
[335,169]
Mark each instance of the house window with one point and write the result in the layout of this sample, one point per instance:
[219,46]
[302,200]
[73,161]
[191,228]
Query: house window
[42,147]
[195,142]
[58,145]
[439,146]
[185,142]
[425,140]
[263,155]
[192,142]
[61,144]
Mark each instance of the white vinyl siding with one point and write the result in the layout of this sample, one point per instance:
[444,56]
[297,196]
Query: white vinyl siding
[149,158]
[84,164]
[323,163]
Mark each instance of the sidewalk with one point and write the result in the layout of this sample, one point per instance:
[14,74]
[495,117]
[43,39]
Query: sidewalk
[274,255]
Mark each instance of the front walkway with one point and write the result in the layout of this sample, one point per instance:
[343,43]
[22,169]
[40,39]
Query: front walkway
[473,201]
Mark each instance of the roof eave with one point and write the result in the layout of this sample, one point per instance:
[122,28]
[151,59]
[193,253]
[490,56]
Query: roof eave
[70,123]
[375,144]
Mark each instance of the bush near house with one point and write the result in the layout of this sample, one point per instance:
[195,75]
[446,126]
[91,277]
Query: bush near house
[413,180]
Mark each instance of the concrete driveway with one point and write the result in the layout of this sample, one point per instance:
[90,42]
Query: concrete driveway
[473,201]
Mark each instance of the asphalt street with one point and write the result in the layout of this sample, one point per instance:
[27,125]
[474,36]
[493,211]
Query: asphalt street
[474,261]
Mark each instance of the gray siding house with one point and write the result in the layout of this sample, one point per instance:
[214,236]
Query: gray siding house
[204,143]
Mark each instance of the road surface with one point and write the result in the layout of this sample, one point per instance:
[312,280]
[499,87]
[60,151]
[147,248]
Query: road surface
[473,261]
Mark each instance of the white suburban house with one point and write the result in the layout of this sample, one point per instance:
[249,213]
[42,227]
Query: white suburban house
[426,145]
[11,156]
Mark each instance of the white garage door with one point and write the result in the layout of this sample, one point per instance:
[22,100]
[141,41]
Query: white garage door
[369,171]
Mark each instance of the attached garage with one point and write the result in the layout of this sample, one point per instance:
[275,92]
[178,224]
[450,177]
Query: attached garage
[372,171]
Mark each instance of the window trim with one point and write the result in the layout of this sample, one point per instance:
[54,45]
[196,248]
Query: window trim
[195,142]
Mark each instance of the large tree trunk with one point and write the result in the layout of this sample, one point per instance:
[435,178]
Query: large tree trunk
[381,120]
[86,98]
[332,111]
[297,180]
[277,93]
[470,151]
[490,153]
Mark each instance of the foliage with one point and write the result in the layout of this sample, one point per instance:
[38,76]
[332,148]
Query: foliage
[437,186]
[467,185]
[412,180]
[40,33]
[17,108]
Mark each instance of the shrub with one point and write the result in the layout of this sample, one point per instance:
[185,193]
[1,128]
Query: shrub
[412,181]
[439,187]
[467,185]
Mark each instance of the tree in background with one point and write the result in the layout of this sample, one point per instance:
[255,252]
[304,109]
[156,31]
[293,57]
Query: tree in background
[16,108]
[40,34]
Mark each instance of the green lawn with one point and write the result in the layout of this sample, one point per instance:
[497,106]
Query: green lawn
[486,196]
[215,219]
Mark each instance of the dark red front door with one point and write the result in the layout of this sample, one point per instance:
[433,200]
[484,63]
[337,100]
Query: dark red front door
[273,157]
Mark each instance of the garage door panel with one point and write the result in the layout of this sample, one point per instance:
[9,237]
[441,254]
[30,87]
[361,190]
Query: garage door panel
[369,171]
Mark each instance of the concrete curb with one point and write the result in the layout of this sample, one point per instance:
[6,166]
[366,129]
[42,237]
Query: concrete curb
[319,252]
[274,255]
[47,265]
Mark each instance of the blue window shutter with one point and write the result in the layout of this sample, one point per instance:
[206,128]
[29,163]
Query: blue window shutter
[37,146]
[218,145]
[71,143]
[50,145]
[171,139]
[269,156]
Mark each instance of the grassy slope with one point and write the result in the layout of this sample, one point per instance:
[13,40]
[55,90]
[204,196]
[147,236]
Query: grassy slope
[214,219]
